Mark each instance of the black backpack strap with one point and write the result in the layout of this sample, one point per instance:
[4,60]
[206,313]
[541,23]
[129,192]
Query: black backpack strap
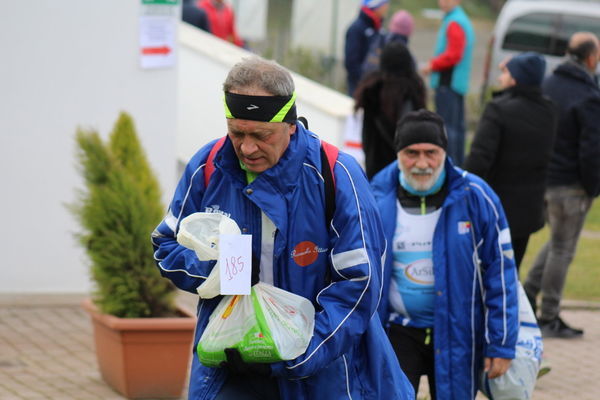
[329,155]
[303,121]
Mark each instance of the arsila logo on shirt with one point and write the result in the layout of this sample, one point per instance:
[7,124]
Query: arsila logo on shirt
[420,272]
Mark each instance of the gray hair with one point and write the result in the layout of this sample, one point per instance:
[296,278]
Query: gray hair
[257,73]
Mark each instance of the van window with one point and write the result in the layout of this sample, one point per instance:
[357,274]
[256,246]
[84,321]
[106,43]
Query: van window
[531,32]
[571,24]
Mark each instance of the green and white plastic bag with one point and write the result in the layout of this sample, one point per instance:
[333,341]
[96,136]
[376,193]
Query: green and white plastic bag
[269,325]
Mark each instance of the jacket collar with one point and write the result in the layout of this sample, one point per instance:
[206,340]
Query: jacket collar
[576,71]
[370,16]
[520,90]
[455,10]
[455,181]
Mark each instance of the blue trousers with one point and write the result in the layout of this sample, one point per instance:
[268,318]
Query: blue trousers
[451,107]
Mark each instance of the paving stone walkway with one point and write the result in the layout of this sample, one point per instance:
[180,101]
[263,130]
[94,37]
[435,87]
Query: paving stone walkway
[46,352]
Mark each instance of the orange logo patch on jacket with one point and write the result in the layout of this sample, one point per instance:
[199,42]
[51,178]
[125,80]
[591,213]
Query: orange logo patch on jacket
[306,253]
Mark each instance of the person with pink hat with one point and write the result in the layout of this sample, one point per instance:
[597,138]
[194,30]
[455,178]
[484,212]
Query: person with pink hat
[400,28]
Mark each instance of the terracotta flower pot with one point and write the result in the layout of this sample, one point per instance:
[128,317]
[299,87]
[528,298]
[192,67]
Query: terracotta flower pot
[143,357]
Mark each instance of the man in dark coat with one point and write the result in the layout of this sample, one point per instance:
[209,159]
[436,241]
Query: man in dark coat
[573,176]
[359,37]
[194,15]
[513,145]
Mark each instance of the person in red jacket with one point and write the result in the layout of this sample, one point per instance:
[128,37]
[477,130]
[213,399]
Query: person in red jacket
[221,20]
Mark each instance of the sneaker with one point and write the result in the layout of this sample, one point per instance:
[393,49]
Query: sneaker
[557,328]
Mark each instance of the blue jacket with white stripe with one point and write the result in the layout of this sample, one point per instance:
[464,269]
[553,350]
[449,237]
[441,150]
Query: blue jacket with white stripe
[464,331]
[338,267]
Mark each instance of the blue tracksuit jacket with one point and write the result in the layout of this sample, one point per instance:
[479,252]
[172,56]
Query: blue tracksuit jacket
[338,267]
[463,333]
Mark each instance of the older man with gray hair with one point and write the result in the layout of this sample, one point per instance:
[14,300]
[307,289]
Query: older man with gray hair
[274,178]
[450,284]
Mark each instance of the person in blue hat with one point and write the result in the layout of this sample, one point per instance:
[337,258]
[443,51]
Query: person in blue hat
[513,145]
[359,37]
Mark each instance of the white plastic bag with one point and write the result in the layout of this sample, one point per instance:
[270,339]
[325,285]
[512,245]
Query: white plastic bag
[200,232]
[266,326]
[352,134]
[518,382]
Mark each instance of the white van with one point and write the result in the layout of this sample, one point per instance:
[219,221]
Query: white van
[538,25]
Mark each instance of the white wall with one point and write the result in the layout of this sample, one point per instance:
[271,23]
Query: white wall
[322,25]
[67,64]
[204,63]
[316,24]
[250,18]
[75,64]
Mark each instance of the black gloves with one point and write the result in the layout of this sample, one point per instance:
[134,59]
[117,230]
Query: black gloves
[237,366]
[255,270]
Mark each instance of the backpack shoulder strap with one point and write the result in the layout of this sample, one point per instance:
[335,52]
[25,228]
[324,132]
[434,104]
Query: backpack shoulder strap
[329,155]
[209,168]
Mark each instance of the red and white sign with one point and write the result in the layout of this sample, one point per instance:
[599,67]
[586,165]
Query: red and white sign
[158,28]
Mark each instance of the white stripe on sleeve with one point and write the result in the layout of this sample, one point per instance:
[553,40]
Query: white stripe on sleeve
[349,259]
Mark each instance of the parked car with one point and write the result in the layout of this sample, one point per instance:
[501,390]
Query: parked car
[538,25]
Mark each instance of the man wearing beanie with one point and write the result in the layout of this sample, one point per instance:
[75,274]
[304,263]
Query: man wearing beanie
[359,36]
[438,220]
[573,177]
[513,145]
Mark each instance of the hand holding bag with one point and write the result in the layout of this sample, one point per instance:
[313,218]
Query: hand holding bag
[266,326]
[519,381]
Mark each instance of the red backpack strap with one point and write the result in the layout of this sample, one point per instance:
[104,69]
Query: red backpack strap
[332,154]
[209,168]
[329,155]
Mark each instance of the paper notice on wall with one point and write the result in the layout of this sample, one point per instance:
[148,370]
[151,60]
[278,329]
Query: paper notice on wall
[158,33]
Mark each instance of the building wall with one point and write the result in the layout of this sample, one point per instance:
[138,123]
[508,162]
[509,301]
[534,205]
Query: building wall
[65,65]
[204,63]
[76,65]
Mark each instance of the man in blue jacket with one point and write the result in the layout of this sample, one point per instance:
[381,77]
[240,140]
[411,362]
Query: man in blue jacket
[573,177]
[359,37]
[438,220]
[269,179]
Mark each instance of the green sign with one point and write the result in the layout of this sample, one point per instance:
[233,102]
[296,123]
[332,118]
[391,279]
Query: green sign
[166,2]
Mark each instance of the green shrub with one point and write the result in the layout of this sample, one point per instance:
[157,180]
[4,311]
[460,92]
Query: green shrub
[118,209]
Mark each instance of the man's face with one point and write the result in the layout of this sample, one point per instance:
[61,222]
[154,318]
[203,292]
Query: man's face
[505,78]
[447,5]
[421,164]
[382,10]
[259,145]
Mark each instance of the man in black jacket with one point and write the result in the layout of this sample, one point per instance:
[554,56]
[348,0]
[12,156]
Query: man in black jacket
[573,176]
[513,145]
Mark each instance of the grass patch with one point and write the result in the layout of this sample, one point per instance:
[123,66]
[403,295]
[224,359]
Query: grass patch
[474,8]
[584,272]
[592,222]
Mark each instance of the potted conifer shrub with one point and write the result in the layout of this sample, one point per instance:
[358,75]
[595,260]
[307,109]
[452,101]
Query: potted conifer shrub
[143,341]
